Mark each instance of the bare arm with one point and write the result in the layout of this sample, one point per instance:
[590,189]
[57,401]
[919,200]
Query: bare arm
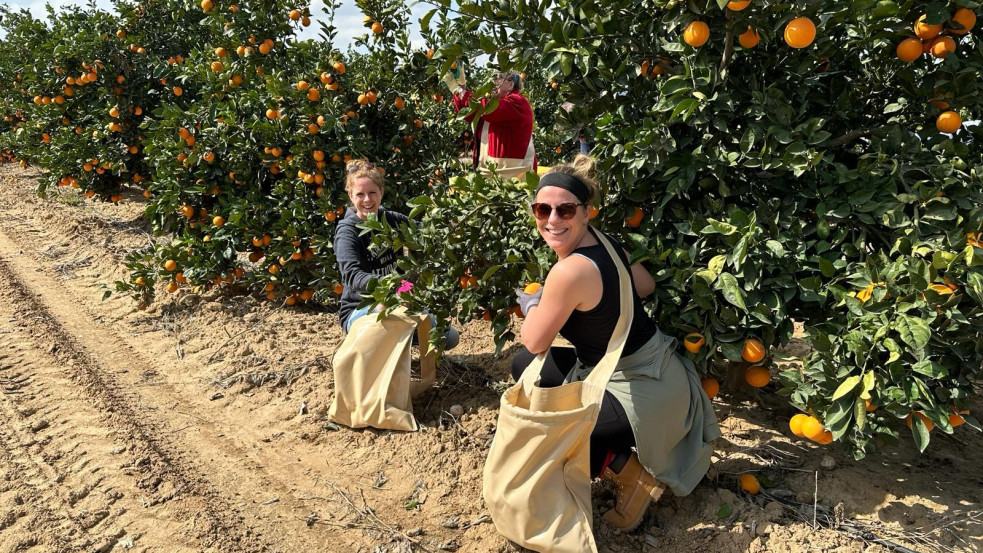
[644,283]
[572,282]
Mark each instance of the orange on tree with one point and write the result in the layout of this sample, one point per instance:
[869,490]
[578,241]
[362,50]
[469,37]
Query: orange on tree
[377,28]
[757,376]
[399,103]
[909,49]
[795,424]
[219,221]
[754,350]
[943,46]
[924,418]
[750,38]
[170,265]
[750,484]
[693,342]
[696,34]
[869,405]
[800,32]
[294,15]
[635,219]
[825,438]
[948,122]
[593,211]
[738,5]
[964,19]
[710,386]
[207,5]
[925,31]
[956,419]
[338,288]
[812,428]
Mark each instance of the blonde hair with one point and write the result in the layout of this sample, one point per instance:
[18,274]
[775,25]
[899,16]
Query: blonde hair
[584,168]
[366,169]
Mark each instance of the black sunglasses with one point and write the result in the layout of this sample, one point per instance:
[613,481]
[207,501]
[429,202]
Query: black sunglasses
[357,166]
[565,210]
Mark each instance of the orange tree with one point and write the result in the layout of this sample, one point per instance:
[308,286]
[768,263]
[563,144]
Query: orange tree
[249,157]
[770,162]
[82,97]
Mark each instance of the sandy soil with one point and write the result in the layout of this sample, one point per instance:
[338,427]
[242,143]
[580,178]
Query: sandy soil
[199,425]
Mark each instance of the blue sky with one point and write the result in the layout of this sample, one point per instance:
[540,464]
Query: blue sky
[348,18]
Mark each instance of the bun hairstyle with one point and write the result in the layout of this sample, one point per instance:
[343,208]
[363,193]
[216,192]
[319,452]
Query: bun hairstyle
[584,168]
[359,168]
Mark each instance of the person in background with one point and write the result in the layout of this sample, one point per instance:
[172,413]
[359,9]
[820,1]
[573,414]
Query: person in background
[503,136]
[656,423]
[365,185]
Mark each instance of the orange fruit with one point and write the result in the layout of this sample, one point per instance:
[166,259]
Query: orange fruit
[593,211]
[170,265]
[696,34]
[216,66]
[948,122]
[925,31]
[753,351]
[825,438]
[800,32]
[338,288]
[955,419]
[218,221]
[294,15]
[693,342]
[795,424]
[172,287]
[209,157]
[207,5]
[757,376]
[943,46]
[749,38]
[869,405]
[750,484]
[738,5]
[177,91]
[635,220]
[532,288]
[710,386]
[909,49]
[928,422]
[812,428]
[965,18]
[377,28]
[306,295]
[399,103]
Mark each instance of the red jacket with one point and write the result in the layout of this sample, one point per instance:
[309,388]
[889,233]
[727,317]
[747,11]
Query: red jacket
[503,136]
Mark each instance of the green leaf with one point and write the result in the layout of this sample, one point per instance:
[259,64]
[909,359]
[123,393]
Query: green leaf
[727,284]
[914,331]
[869,382]
[724,511]
[846,387]
[920,432]
[719,227]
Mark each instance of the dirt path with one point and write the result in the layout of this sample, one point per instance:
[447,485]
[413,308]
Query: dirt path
[199,425]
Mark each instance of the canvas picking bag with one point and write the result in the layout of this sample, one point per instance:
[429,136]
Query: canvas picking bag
[536,480]
[372,373]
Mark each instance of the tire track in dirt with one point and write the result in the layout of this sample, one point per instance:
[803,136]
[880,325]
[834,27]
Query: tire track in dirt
[62,409]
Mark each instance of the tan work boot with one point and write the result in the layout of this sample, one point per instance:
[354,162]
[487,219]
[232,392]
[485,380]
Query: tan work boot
[636,488]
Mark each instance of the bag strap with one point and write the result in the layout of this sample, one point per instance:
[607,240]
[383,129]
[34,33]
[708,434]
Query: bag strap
[602,372]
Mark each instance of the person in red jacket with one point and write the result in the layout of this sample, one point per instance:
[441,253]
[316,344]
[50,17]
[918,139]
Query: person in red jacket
[503,136]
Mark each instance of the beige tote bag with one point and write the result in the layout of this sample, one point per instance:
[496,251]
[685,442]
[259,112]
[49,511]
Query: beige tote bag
[372,373]
[537,474]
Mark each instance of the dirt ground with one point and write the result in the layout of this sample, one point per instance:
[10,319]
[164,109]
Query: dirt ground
[200,425]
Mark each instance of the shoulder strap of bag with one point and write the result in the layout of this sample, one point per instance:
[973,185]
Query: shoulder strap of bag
[606,366]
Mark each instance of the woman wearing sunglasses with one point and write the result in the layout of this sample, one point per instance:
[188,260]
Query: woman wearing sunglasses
[656,423]
[358,265]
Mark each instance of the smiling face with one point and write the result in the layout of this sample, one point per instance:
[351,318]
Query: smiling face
[562,235]
[505,85]
[365,196]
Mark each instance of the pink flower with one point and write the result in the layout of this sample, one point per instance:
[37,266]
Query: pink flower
[404,286]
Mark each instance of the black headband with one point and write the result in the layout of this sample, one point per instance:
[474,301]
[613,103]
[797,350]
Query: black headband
[567,182]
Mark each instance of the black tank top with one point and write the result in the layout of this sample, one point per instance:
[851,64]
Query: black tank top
[590,331]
